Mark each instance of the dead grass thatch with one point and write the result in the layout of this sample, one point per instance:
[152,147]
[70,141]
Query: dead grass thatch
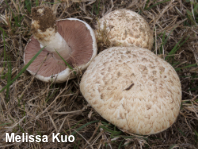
[38,108]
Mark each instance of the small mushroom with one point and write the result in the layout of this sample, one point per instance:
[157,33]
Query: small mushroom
[125,28]
[133,89]
[70,39]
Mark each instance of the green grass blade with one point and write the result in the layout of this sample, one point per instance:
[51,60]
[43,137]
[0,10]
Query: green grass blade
[70,67]
[4,33]
[181,132]
[75,125]
[37,2]
[78,129]
[98,8]
[147,2]
[8,76]
[77,145]
[190,17]
[24,68]
[21,128]
[195,8]
[51,2]
[50,96]
[196,136]
[4,124]
[28,5]
[164,41]
[193,89]
[172,146]
[114,133]
[121,144]
[192,65]
[175,64]
[157,4]
[176,47]
[4,45]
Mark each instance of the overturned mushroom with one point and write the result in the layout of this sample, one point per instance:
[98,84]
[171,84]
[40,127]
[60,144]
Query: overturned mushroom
[125,28]
[70,39]
[134,89]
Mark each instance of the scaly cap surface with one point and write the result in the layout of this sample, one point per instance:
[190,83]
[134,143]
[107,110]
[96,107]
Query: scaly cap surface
[125,28]
[134,89]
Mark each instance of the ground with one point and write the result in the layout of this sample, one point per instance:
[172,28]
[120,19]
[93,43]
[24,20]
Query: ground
[28,105]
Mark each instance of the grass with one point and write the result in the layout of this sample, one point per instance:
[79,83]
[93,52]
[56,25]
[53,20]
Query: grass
[66,63]
[96,8]
[9,82]
[192,14]
[28,5]
[176,47]
[155,4]
[83,126]
[29,105]
[164,41]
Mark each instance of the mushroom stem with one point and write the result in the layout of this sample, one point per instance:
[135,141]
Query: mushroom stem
[56,43]
[44,30]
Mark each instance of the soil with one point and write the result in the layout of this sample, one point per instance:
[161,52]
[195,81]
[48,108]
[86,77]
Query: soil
[46,20]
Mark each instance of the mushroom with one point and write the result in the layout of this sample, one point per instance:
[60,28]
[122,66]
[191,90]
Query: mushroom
[70,39]
[125,28]
[134,89]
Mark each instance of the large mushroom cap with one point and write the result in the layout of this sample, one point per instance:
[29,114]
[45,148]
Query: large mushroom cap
[134,89]
[125,28]
[79,36]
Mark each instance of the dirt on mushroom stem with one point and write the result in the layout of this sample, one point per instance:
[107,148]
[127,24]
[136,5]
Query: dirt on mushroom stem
[44,29]
[46,18]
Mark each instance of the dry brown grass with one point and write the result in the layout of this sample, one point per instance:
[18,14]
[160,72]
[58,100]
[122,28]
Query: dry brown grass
[35,107]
